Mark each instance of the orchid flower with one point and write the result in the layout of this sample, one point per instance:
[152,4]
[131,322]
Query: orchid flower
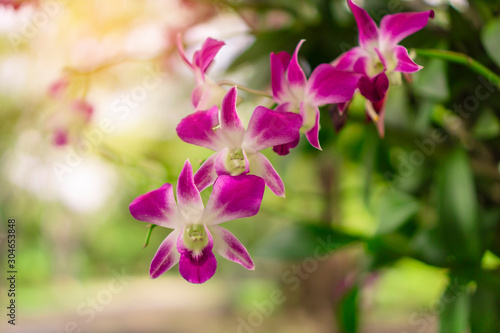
[237,149]
[293,92]
[379,57]
[207,93]
[71,116]
[196,232]
[16,4]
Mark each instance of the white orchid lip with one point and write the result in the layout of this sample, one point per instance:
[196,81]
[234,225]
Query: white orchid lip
[195,238]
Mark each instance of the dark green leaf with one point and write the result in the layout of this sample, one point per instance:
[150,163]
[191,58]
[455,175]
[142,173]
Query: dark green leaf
[457,207]
[347,312]
[489,37]
[396,208]
[455,303]
[302,241]
[484,311]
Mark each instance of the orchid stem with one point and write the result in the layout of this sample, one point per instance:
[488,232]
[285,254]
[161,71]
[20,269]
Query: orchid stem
[462,59]
[148,236]
[239,86]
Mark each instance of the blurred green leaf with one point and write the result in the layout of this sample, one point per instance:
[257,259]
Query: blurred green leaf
[455,315]
[347,312]
[487,126]
[303,240]
[489,37]
[432,81]
[457,207]
[484,311]
[396,208]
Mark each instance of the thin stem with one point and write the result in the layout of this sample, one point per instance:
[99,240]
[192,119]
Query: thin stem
[239,86]
[148,236]
[462,59]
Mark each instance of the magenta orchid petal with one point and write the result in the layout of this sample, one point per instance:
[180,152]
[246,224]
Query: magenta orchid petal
[229,247]
[233,198]
[404,62]
[61,137]
[204,57]
[367,29]
[156,207]
[396,27]
[166,256]
[342,107]
[197,266]
[374,89]
[188,197]
[295,75]
[268,128]
[279,63]
[260,166]
[347,60]
[328,85]
[312,133]
[197,96]
[284,149]
[200,129]
[227,163]
[206,175]
[230,122]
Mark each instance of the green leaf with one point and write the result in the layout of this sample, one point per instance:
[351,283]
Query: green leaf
[489,37]
[303,240]
[484,311]
[396,208]
[487,126]
[431,82]
[457,208]
[455,302]
[347,312]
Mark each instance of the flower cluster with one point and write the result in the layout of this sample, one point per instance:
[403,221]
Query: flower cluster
[237,170]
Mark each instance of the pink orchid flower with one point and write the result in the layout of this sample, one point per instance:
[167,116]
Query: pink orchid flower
[71,117]
[379,57]
[207,93]
[16,4]
[196,232]
[237,149]
[294,92]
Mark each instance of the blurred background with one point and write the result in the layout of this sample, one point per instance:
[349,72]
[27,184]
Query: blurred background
[396,234]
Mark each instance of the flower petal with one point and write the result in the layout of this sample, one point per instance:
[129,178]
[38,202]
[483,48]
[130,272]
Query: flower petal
[312,133]
[197,267]
[201,129]
[188,196]
[166,256]
[268,128]
[405,64]
[206,175]
[203,58]
[284,149]
[396,27]
[233,198]
[347,61]
[279,63]
[260,166]
[156,207]
[328,85]
[295,75]
[229,247]
[230,123]
[374,89]
[368,30]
